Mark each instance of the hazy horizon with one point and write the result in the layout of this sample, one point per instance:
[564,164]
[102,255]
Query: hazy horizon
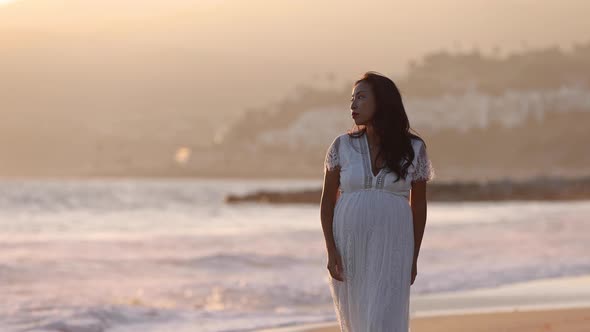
[123,81]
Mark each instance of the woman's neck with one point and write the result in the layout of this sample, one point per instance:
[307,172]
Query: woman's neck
[371,135]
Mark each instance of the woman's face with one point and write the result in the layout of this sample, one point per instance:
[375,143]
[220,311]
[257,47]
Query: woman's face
[362,103]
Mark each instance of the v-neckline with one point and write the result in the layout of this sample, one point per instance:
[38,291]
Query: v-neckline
[371,158]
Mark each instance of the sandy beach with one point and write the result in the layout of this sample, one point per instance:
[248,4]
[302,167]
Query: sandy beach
[562,320]
[545,305]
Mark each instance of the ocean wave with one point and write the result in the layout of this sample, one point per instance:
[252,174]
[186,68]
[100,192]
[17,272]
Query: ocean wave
[237,261]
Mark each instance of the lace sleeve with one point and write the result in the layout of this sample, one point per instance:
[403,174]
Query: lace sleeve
[332,160]
[423,170]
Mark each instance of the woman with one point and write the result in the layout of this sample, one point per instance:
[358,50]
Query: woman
[373,210]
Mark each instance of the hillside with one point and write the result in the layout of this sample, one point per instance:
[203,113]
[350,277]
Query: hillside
[483,117]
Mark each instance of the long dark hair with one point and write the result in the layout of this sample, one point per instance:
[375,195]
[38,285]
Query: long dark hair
[391,124]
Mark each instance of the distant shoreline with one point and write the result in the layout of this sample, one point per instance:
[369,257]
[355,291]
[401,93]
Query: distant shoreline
[541,188]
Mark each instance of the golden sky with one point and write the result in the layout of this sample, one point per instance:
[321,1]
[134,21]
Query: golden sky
[261,49]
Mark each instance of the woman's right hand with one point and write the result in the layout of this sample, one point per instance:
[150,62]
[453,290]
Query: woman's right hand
[335,265]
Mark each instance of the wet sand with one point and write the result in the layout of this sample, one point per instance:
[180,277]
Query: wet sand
[558,320]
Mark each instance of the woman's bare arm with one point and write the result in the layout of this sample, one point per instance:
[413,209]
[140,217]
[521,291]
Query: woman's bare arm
[418,203]
[327,204]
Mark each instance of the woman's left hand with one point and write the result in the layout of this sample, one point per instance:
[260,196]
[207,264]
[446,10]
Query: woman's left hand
[414,272]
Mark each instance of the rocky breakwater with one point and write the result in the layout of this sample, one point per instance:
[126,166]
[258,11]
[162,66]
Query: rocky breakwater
[540,188]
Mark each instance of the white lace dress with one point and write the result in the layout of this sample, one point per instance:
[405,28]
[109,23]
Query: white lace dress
[374,235]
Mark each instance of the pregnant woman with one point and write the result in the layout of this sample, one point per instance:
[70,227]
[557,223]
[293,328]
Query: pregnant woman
[373,210]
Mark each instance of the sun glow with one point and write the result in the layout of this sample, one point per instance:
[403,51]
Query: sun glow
[5,2]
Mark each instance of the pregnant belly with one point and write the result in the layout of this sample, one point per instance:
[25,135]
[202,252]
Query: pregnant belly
[368,211]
